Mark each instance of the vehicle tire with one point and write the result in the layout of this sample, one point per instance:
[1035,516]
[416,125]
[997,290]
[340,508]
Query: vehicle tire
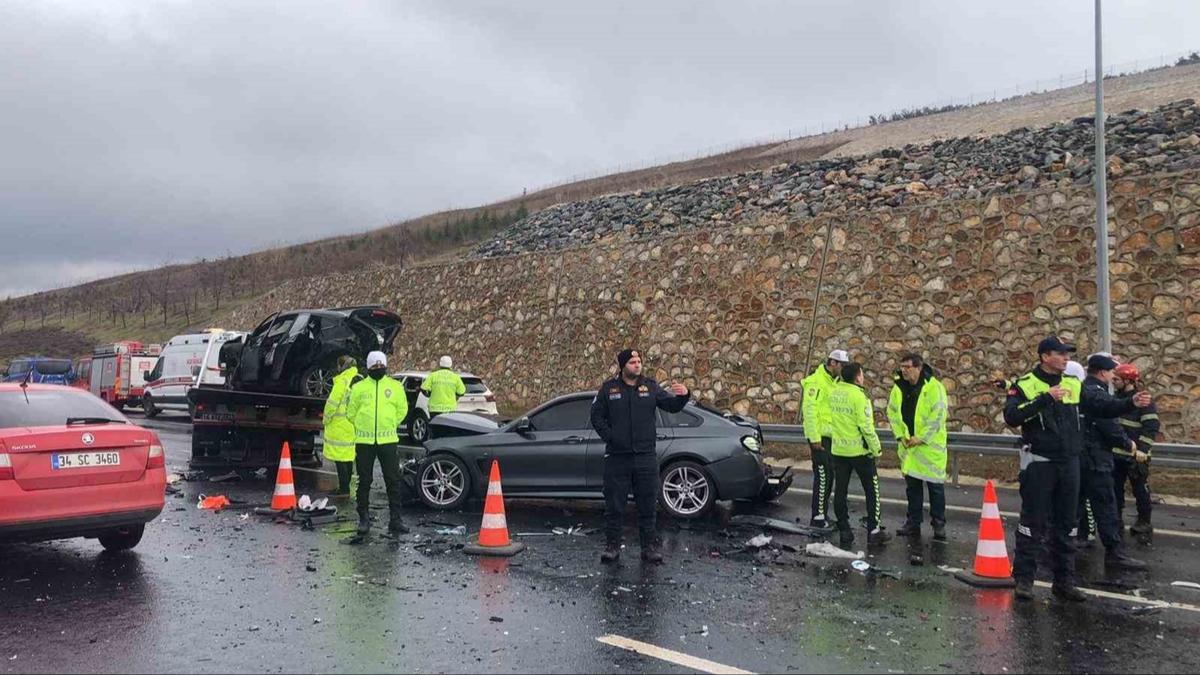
[122,538]
[148,408]
[418,427]
[443,482]
[687,490]
[317,380]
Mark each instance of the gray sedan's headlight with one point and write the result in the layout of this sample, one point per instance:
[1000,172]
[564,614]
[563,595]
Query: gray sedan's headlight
[751,444]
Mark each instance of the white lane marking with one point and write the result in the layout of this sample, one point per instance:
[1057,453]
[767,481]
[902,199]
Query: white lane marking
[678,658]
[1007,514]
[1166,604]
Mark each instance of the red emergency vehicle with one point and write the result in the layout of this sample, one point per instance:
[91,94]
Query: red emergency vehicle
[115,372]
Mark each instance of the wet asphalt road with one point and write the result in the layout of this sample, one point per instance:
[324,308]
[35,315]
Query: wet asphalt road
[232,591]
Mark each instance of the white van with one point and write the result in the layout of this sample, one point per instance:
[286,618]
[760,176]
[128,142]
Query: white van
[186,361]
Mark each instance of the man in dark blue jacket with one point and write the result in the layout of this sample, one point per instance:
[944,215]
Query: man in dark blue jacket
[624,414]
[1101,435]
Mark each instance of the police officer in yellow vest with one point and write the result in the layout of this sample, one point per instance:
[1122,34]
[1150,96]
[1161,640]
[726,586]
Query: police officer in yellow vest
[917,411]
[339,430]
[855,448]
[815,409]
[377,406]
[1047,406]
[443,387]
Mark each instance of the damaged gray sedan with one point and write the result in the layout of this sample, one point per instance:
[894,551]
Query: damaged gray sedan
[551,451]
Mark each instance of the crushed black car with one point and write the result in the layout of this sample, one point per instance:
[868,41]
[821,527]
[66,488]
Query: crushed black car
[296,352]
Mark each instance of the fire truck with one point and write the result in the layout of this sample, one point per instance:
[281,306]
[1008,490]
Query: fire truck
[115,371]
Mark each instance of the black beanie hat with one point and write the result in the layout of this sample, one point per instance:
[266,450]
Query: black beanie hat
[623,357]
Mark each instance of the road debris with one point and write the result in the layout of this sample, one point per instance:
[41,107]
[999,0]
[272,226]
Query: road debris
[825,549]
[1186,584]
[778,525]
[758,541]
[226,477]
[213,503]
[453,531]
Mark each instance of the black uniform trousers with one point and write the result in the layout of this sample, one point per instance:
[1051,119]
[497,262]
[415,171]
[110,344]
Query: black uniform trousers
[389,462]
[1123,470]
[822,462]
[1049,498]
[635,472]
[345,471]
[864,466]
[1096,486]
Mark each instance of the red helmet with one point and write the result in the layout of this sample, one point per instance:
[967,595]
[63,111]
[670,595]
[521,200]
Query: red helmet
[1128,372]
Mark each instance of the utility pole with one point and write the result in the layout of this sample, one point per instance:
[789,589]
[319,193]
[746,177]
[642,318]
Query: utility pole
[1101,170]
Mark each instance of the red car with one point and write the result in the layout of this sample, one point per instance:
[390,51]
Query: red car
[72,466]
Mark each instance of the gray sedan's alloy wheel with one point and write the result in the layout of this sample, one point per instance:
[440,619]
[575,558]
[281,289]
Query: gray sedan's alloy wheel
[687,490]
[443,482]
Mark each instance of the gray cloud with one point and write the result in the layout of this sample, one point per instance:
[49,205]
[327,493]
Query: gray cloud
[137,133]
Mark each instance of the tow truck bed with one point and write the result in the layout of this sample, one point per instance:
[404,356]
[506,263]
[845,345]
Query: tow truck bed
[247,429]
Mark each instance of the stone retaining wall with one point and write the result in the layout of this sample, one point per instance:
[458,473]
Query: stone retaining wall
[972,284]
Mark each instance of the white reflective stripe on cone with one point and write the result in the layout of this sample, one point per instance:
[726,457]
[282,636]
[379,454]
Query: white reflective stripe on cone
[991,549]
[285,463]
[285,489]
[494,489]
[991,511]
[494,521]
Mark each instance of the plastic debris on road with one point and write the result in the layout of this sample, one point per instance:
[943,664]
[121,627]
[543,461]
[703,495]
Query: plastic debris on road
[306,504]
[457,531]
[1186,584]
[758,541]
[825,549]
[213,503]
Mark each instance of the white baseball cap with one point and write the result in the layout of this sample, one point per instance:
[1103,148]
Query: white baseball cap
[1075,369]
[839,355]
[376,359]
[445,362]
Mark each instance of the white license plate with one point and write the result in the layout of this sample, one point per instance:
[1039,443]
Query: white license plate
[85,460]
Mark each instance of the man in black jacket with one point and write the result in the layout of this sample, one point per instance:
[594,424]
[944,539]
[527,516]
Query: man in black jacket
[1101,435]
[1047,406]
[624,414]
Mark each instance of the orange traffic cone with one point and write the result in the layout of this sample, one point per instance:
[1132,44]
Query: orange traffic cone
[493,533]
[992,568]
[285,488]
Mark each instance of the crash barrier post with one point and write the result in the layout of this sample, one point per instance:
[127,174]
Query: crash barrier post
[285,487]
[1170,455]
[493,532]
[992,567]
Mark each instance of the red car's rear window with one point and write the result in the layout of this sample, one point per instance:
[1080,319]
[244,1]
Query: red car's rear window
[51,408]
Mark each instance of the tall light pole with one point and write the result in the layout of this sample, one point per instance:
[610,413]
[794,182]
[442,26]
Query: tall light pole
[1101,171]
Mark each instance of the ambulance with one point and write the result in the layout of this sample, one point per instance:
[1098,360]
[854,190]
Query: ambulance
[186,362]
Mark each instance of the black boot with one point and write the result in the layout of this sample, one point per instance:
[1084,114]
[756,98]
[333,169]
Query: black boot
[1119,559]
[1142,526]
[611,553]
[364,522]
[910,529]
[1070,593]
[846,539]
[878,536]
[652,554]
[939,530]
[1024,589]
[396,527]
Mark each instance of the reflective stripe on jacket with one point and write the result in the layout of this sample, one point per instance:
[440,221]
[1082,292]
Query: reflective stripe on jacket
[852,423]
[377,407]
[443,387]
[339,430]
[815,404]
[926,461]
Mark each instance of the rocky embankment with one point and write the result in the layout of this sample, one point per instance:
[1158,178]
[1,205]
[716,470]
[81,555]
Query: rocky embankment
[1139,142]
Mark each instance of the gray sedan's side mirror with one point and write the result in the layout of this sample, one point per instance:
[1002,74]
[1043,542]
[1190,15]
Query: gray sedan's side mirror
[523,426]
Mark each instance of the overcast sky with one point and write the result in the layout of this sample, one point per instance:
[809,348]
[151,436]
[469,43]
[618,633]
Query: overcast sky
[134,133]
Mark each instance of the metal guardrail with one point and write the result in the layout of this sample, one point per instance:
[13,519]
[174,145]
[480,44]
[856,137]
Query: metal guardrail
[1174,455]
